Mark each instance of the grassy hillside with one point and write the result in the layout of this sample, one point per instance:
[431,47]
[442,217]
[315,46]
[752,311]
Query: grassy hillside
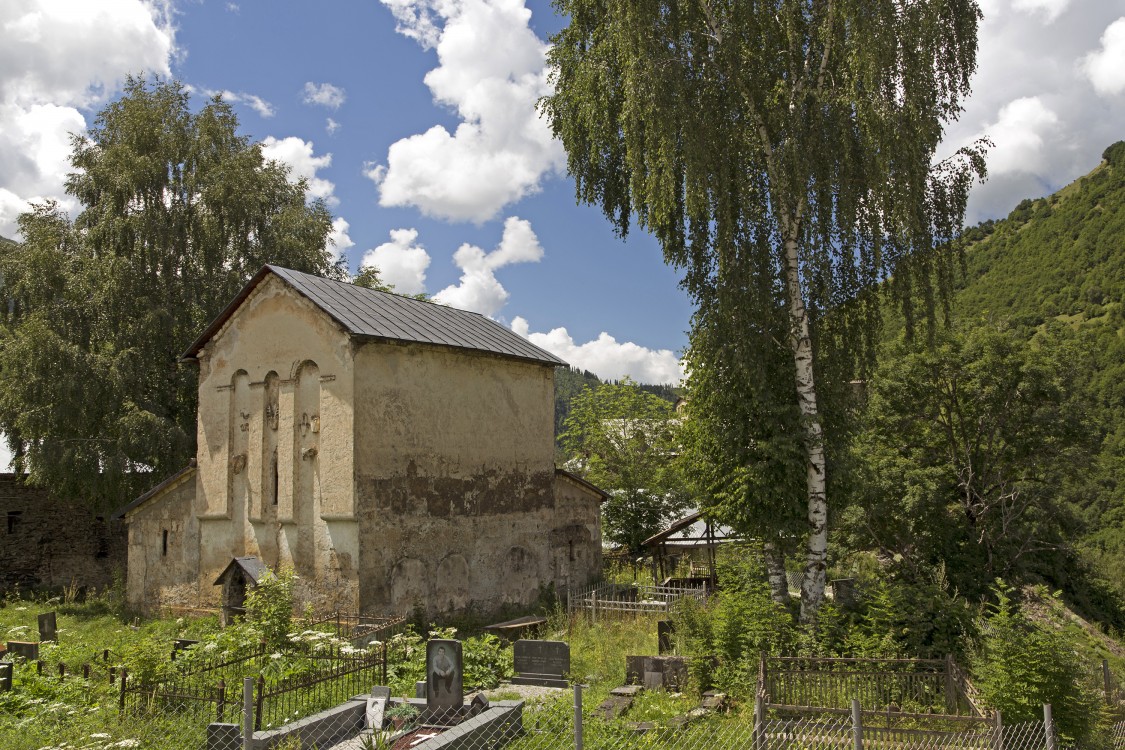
[1060,257]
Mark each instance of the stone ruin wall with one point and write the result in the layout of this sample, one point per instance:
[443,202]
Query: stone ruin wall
[54,544]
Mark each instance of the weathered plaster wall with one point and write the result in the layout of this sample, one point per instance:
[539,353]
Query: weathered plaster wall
[164,549]
[275,457]
[576,543]
[47,542]
[456,480]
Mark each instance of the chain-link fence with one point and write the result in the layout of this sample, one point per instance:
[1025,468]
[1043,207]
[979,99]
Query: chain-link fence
[567,720]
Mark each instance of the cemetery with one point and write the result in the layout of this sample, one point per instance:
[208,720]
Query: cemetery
[350,682]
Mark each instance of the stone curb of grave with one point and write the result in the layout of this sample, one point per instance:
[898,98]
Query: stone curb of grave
[712,701]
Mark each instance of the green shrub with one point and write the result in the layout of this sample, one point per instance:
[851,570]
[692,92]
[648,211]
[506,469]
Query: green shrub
[730,631]
[1020,666]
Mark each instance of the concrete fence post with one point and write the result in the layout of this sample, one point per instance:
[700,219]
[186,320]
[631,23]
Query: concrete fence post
[1049,727]
[248,713]
[857,725]
[577,716]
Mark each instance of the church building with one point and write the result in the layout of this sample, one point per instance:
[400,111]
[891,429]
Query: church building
[396,453]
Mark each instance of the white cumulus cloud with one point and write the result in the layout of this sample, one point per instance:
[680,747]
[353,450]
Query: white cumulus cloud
[1048,9]
[324,95]
[339,241]
[1021,136]
[298,155]
[1032,95]
[253,101]
[478,289]
[491,71]
[402,262]
[607,357]
[331,126]
[1106,67]
[55,58]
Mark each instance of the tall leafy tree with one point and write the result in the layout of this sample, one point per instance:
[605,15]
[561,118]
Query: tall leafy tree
[781,152]
[624,440]
[968,449]
[178,211]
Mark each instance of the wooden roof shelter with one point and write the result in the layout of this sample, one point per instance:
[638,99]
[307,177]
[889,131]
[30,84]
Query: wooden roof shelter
[694,531]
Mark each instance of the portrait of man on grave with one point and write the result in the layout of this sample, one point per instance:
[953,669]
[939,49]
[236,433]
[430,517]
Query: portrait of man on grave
[443,671]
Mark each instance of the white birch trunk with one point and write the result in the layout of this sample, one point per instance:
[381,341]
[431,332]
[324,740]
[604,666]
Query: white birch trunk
[775,573]
[816,550]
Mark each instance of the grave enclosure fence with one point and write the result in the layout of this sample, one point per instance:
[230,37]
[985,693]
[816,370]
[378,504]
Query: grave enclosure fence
[925,686]
[617,599]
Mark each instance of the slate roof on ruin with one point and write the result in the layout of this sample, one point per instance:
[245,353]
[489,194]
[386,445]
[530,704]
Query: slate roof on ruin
[368,314]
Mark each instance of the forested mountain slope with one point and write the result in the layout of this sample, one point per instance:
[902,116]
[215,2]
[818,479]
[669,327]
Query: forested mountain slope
[1053,273]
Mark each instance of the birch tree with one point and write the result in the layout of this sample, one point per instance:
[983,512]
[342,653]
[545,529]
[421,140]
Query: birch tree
[782,152]
[178,211]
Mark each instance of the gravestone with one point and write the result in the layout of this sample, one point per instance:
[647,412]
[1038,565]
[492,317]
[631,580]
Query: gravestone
[543,663]
[376,705]
[444,673]
[420,689]
[48,628]
[223,736]
[24,649]
[5,676]
[664,632]
[657,672]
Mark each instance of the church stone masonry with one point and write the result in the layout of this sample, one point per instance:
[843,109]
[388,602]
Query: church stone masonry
[395,453]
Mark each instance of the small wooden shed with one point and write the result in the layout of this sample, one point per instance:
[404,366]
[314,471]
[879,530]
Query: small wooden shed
[242,573]
[695,537]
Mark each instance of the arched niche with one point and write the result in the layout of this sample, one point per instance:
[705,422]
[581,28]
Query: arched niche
[306,440]
[270,425]
[409,585]
[238,442]
[453,583]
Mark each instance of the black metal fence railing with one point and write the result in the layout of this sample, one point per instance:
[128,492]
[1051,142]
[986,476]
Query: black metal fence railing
[294,698]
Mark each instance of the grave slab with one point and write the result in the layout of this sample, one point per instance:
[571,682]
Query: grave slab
[48,628]
[543,663]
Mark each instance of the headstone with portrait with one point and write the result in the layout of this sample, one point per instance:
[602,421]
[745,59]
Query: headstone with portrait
[444,673]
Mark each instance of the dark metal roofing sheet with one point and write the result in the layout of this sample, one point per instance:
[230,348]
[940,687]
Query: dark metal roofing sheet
[368,313]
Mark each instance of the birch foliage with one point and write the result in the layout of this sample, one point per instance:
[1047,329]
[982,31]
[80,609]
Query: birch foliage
[177,212]
[783,154]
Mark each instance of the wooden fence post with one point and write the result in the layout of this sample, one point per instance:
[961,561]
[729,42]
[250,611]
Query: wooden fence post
[1049,727]
[1107,681]
[950,686]
[857,725]
[261,702]
[998,732]
[759,721]
[221,703]
[121,696]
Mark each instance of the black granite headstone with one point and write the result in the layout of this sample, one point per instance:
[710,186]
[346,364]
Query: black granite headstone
[24,649]
[544,663]
[669,672]
[5,676]
[223,736]
[48,628]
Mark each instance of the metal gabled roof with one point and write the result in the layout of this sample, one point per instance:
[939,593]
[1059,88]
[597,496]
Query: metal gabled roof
[366,313]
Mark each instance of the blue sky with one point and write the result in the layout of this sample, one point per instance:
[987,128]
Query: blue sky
[414,119]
